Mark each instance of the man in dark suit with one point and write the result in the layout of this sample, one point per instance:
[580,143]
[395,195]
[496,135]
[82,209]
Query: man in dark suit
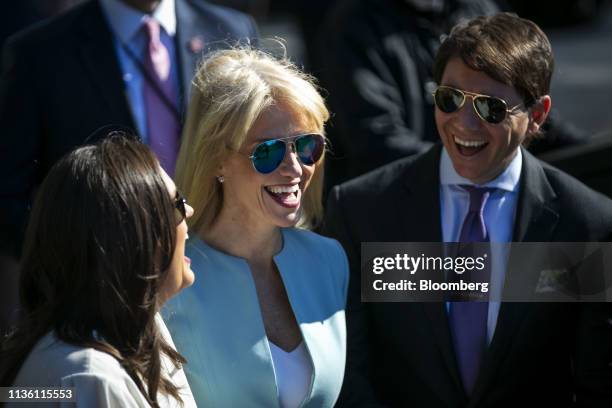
[65,78]
[494,75]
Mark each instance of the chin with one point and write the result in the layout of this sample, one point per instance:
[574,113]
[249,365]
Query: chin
[473,176]
[188,277]
[287,221]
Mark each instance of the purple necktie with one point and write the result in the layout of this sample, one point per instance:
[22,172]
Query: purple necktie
[160,99]
[468,319]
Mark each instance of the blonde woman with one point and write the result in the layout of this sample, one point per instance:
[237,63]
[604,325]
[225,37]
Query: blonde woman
[266,327]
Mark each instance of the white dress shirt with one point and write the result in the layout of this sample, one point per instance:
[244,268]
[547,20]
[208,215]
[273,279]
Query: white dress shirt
[499,214]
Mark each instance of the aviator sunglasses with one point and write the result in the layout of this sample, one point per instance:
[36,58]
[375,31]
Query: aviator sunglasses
[268,155]
[179,206]
[488,108]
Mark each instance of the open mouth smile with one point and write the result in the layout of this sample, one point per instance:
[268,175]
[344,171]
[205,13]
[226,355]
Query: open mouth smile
[469,147]
[285,195]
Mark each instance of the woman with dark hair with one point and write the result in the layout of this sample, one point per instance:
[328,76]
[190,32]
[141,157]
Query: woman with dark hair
[104,250]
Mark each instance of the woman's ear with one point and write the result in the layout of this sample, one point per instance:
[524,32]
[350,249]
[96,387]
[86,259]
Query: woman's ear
[539,113]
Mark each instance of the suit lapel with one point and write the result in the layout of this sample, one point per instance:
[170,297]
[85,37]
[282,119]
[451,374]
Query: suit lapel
[420,214]
[510,317]
[536,218]
[537,212]
[419,205]
[437,316]
[98,55]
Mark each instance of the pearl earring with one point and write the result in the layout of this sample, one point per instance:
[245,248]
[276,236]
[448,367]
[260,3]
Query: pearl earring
[221,179]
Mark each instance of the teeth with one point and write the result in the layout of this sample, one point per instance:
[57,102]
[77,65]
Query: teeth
[283,189]
[469,143]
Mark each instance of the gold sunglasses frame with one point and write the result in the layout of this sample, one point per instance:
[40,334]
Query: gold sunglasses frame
[473,95]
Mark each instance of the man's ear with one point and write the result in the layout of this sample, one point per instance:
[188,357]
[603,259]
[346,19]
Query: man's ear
[539,113]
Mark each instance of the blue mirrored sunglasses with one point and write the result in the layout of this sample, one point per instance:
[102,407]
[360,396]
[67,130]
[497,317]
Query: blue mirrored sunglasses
[268,155]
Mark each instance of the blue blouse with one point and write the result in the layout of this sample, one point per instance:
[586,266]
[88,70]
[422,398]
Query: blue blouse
[217,324]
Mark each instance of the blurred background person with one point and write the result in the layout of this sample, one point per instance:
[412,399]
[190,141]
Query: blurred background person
[18,15]
[128,62]
[104,251]
[565,13]
[266,327]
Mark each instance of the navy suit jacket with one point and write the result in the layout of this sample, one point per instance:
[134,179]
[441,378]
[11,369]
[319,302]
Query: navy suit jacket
[61,80]
[401,354]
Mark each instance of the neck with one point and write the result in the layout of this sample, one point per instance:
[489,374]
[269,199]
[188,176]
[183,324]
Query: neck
[254,242]
[146,6]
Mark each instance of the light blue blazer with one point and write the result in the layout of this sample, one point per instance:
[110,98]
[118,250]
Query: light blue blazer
[217,325]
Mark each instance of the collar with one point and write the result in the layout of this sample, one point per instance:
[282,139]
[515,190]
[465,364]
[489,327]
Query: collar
[508,180]
[126,21]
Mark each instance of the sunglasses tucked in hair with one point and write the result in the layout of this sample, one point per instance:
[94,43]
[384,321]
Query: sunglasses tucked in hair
[488,108]
[267,156]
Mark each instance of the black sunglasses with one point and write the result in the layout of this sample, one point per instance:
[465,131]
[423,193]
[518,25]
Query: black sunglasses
[268,155]
[488,108]
[179,206]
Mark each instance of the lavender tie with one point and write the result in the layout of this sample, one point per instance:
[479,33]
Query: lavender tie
[160,98]
[468,320]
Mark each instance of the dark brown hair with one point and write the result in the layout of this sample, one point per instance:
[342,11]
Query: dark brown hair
[99,244]
[509,49]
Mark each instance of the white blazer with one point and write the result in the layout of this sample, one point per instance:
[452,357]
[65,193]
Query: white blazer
[97,378]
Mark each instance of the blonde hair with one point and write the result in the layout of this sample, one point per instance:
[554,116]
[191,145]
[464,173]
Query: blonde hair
[232,88]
